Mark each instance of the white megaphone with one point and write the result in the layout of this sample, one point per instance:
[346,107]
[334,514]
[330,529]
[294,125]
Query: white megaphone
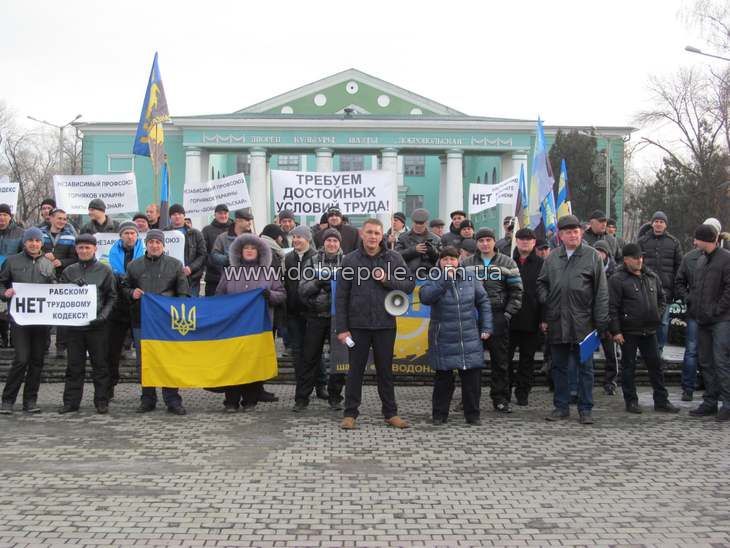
[396,303]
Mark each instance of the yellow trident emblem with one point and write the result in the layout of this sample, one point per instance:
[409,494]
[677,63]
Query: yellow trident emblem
[180,322]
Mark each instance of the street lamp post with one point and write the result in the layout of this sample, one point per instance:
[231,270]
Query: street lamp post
[698,51]
[60,137]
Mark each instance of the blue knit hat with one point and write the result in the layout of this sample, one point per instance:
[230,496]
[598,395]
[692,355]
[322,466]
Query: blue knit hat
[32,233]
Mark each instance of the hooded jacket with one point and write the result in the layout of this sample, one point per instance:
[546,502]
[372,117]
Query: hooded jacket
[94,273]
[574,293]
[360,303]
[258,276]
[317,293]
[460,313]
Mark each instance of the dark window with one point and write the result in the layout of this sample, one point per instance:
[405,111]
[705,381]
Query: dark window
[289,162]
[352,162]
[414,166]
[242,164]
[413,201]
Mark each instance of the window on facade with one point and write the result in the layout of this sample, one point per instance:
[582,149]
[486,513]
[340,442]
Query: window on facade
[352,162]
[413,201]
[289,162]
[120,163]
[242,164]
[414,166]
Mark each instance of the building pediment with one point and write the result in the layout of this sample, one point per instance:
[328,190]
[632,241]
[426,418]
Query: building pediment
[351,88]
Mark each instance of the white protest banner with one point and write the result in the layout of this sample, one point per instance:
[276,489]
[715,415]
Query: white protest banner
[9,193]
[53,304]
[74,192]
[202,197]
[174,244]
[353,192]
[483,197]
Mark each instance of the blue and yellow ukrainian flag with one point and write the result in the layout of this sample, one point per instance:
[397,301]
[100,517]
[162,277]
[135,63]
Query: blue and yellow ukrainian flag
[150,137]
[564,207]
[206,342]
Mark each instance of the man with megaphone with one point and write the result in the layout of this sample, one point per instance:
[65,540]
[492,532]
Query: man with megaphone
[368,274]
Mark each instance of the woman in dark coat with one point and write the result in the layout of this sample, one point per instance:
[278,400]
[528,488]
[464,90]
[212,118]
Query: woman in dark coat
[249,252]
[461,317]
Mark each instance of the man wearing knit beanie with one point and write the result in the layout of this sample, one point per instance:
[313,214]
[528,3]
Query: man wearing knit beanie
[99,220]
[29,341]
[709,304]
[296,317]
[663,255]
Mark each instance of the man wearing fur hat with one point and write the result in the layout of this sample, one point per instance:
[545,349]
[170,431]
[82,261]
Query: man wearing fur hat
[709,304]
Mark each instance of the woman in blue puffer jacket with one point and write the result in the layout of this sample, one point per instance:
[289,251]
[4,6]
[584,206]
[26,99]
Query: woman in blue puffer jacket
[461,317]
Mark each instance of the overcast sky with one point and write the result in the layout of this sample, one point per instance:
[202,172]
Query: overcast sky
[571,62]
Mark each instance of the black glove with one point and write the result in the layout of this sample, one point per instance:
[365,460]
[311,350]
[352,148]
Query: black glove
[97,322]
[81,282]
[267,294]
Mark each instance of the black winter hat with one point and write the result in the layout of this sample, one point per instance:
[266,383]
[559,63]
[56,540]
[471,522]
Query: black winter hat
[706,233]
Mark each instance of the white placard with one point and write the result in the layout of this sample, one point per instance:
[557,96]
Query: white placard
[74,192]
[483,197]
[53,304]
[9,193]
[200,198]
[353,192]
[174,244]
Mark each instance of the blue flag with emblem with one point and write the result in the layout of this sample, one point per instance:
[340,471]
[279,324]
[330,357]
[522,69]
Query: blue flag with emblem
[206,342]
[150,137]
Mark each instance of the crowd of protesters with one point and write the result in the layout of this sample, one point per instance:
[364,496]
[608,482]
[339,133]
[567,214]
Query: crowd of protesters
[488,295]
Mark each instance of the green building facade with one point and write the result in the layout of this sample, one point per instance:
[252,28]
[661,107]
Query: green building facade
[346,122]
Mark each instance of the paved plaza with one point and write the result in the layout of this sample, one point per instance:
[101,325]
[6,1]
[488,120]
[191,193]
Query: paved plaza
[274,478]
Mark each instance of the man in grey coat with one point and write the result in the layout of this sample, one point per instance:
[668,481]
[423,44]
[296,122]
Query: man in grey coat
[573,289]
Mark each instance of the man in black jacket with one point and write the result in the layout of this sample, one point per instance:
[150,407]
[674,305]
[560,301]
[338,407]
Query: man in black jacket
[663,255]
[349,234]
[315,292]
[419,247]
[29,341]
[573,290]
[709,303]
[501,278]
[597,232]
[296,310]
[636,305]
[220,224]
[91,338]
[99,220]
[525,325]
[682,286]
[452,237]
[195,250]
[363,323]
[158,274]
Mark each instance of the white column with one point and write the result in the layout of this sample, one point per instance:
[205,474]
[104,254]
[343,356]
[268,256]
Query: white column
[454,180]
[389,163]
[443,213]
[196,170]
[258,189]
[511,163]
[324,159]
